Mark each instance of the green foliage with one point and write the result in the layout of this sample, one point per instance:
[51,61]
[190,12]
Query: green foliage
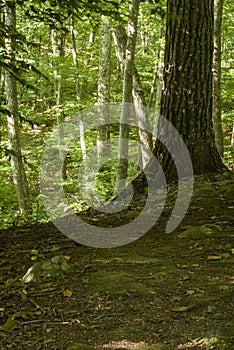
[36,255]
[227,81]
[36,69]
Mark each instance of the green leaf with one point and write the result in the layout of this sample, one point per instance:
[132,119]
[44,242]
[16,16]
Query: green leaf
[34,252]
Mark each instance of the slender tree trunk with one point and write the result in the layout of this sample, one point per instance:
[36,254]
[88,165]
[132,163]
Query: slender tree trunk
[14,144]
[158,92]
[217,120]
[145,137]
[232,137]
[75,59]
[104,89]
[187,95]
[156,88]
[2,88]
[127,94]
[58,42]
[232,144]
[78,87]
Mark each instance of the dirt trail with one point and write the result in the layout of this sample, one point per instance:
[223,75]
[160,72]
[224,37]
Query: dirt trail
[163,291]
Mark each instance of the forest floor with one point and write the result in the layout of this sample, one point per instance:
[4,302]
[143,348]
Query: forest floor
[163,291]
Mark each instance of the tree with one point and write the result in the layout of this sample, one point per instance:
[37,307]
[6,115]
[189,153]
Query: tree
[217,121]
[138,95]
[78,85]
[104,88]
[187,93]
[14,143]
[127,92]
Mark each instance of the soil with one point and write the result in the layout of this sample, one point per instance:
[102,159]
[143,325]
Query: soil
[163,291]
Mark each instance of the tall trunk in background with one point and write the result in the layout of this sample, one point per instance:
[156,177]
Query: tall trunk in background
[217,120]
[14,144]
[58,44]
[122,169]
[78,86]
[156,87]
[145,136]
[104,89]
[2,86]
[75,59]
[187,94]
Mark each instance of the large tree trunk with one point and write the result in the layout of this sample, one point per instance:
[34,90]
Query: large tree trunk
[187,94]
[217,121]
[14,145]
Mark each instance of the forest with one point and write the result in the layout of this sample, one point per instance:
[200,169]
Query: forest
[116,174]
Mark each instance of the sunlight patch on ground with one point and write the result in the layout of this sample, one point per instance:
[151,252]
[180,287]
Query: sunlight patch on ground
[125,344]
[206,343]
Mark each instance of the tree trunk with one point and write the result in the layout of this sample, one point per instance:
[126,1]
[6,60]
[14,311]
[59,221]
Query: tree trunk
[156,88]
[78,88]
[58,42]
[75,59]
[14,144]
[187,94]
[217,120]
[122,170]
[104,89]
[145,137]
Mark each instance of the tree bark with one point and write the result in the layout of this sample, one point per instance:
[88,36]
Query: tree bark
[122,169]
[104,89]
[58,43]
[145,137]
[78,87]
[217,120]
[14,143]
[156,88]
[187,94]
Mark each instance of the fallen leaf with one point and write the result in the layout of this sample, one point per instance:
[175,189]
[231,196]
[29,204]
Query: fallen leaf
[182,308]
[214,257]
[24,291]
[196,265]
[67,293]
[182,266]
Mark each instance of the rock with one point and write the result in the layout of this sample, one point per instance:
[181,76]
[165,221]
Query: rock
[196,232]
[56,266]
